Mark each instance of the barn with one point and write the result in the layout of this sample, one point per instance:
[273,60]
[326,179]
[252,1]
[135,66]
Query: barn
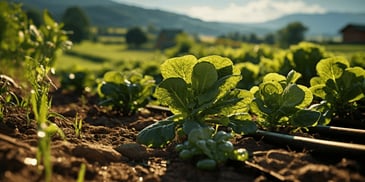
[353,33]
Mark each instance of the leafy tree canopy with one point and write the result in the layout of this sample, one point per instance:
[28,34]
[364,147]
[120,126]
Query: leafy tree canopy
[76,21]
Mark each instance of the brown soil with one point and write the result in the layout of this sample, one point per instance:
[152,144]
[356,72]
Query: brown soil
[107,146]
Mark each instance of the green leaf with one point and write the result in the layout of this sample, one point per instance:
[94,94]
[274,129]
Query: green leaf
[293,76]
[274,77]
[332,68]
[242,127]
[110,90]
[114,77]
[180,67]
[174,93]
[316,81]
[48,20]
[228,74]
[270,92]
[224,66]
[203,77]
[351,83]
[308,97]
[318,90]
[158,134]
[258,107]
[292,96]
[305,118]
[237,101]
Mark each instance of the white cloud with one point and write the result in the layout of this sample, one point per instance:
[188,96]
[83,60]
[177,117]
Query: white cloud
[253,11]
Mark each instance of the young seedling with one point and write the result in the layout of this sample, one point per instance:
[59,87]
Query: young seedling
[126,92]
[280,102]
[339,85]
[48,39]
[201,94]
[77,126]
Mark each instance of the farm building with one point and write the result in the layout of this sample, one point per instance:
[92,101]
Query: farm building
[166,38]
[353,33]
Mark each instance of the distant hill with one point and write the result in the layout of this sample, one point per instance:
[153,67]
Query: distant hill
[109,13]
[318,24]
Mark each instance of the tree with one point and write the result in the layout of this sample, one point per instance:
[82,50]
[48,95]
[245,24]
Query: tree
[135,37]
[269,38]
[76,21]
[35,16]
[252,38]
[293,33]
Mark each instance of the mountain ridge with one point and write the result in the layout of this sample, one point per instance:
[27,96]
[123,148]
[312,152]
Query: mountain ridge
[111,13]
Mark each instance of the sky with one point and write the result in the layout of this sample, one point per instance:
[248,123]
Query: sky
[248,11]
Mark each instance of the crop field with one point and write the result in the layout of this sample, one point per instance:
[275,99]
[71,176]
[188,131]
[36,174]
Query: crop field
[196,111]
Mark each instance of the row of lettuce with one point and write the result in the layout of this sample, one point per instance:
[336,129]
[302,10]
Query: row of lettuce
[203,96]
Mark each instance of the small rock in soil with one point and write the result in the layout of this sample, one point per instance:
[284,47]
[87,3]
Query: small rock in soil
[95,153]
[133,151]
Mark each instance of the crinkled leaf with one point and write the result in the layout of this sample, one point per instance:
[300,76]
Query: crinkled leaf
[158,134]
[113,76]
[316,81]
[274,77]
[241,100]
[180,67]
[174,93]
[332,68]
[308,97]
[203,77]
[270,92]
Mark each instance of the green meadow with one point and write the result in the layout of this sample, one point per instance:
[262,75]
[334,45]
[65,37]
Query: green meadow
[94,56]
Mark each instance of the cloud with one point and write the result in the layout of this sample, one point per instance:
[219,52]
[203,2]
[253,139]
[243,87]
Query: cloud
[253,11]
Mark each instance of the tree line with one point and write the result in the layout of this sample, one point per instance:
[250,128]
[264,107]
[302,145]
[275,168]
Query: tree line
[292,33]
[78,25]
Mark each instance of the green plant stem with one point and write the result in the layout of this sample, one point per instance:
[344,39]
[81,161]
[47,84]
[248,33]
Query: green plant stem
[81,175]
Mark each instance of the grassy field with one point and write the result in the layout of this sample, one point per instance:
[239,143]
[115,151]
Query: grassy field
[95,56]
[345,48]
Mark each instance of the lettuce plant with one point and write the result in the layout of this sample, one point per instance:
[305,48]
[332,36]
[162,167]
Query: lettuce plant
[280,102]
[200,94]
[126,92]
[338,85]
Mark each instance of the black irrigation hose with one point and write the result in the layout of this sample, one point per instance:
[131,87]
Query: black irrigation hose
[327,146]
[339,130]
